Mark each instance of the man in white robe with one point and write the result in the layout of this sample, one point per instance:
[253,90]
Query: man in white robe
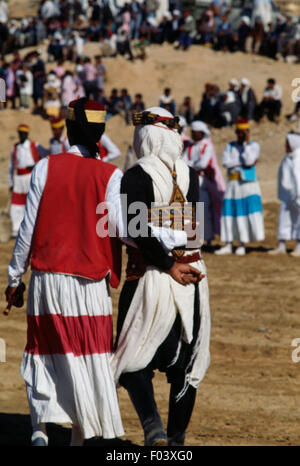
[242,213]
[289,195]
[24,155]
[164,316]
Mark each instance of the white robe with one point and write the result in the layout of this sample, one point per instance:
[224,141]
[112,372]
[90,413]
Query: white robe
[289,195]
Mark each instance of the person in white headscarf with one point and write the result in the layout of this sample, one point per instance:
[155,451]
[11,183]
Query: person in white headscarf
[248,99]
[202,157]
[164,318]
[229,108]
[289,195]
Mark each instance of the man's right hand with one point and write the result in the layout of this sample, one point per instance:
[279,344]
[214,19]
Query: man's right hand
[185,273]
[14,295]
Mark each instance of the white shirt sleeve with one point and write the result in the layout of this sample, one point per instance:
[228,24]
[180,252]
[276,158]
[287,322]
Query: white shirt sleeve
[230,157]
[203,159]
[277,92]
[168,238]
[21,253]
[112,150]
[250,154]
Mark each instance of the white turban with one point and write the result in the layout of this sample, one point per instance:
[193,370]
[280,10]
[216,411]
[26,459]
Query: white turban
[233,82]
[246,20]
[158,140]
[245,82]
[200,126]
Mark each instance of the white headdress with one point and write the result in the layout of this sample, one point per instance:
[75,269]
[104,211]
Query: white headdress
[200,126]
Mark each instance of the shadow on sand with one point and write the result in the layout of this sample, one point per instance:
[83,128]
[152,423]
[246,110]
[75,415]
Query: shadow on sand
[15,430]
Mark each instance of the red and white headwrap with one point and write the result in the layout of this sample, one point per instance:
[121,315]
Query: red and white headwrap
[157,139]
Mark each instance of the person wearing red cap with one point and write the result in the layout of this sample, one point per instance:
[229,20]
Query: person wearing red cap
[24,155]
[69,314]
[66,362]
[242,213]
[58,143]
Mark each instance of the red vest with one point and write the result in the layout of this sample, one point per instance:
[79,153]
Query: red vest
[65,238]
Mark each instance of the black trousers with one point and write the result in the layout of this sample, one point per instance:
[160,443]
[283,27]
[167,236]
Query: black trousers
[139,384]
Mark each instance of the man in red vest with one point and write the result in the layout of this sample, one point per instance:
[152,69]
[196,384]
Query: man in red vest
[24,155]
[69,311]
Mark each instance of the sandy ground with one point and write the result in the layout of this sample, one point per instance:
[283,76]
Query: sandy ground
[250,393]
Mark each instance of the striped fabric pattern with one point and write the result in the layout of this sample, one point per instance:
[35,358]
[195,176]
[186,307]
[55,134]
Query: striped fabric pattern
[66,363]
[242,213]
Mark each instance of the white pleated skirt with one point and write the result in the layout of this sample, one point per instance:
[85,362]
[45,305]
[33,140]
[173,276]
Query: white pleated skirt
[66,360]
[242,213]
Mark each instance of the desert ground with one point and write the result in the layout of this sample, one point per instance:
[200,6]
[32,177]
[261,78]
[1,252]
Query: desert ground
[251,392]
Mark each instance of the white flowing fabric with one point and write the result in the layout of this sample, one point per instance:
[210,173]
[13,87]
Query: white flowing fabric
[68,387]
[158,297]
[289,191]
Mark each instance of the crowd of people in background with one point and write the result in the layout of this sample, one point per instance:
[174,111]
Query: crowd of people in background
[29,86]
[129,31]
[130,28]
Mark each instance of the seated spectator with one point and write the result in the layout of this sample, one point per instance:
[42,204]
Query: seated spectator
[101,97]
[206,28]
[93,31]
[137,105]
[208,106]
[270,105]
[224,35]
[176,23]
[233,85]
[288,39]
[186,110]
[243,33]
[167,101]
[247,99]
[123,43]
[112,103]
[164,32]
[228,109]
[141,48]
[124,104]
[275,36]
[187,31]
